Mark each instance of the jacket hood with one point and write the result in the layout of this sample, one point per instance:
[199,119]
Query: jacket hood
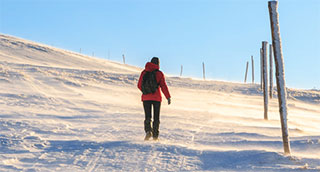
[151,67]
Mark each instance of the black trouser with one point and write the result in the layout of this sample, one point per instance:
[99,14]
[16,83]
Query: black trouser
[156,117]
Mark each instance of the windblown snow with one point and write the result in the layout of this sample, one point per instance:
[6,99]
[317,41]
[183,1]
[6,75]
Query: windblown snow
[64,111]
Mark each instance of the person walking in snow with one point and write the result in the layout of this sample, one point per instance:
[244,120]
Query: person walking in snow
[150,80]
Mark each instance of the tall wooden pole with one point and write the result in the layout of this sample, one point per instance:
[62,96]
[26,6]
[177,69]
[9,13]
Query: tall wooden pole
[181,70]
[271,70]
[261,69]
[279,64]
[252,62]
[245,76]
[265,77]
[204,71]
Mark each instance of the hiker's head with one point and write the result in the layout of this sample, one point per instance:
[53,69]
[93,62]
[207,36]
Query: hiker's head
[155,60]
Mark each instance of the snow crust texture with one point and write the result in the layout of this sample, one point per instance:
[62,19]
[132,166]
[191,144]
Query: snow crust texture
[63,111]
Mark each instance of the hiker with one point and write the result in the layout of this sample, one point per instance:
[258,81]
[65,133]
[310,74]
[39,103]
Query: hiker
[150,80]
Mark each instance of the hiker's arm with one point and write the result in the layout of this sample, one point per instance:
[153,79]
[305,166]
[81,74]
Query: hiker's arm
[164,87]
[140,81]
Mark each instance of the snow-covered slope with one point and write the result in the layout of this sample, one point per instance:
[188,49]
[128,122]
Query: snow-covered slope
[63,111]
[15,50]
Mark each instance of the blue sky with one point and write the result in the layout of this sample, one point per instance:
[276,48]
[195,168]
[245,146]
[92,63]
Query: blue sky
[222,33]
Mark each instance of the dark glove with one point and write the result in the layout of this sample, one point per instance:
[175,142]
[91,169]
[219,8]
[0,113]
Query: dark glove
[169,101]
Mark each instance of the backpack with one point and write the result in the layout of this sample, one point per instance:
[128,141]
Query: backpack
[149,82]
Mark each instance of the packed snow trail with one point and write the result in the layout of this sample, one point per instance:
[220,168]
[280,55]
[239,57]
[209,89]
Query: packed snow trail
[62,111]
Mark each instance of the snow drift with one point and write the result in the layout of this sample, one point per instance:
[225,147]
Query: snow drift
[64,111]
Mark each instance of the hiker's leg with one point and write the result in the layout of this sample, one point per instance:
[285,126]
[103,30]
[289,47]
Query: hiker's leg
[156,118]
[147,112]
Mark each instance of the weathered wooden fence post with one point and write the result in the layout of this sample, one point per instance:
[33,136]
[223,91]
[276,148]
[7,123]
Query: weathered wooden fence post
[204,71]
[265,77]
[271,70]
[245,77]
[252,61]
[261,70]
[181,70]
[124,59]
[279,64]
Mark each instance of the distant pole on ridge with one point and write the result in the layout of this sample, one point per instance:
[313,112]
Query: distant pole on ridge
[252,61]
[265,77]
[245,77]
[204,72]
[80,50]
[280,77]
[108,53]
[124,59]
[181,70]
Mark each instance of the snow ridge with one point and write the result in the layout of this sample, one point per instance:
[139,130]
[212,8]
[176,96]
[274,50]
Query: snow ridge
[63,111]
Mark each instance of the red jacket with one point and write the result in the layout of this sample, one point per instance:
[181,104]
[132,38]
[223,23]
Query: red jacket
[156,96]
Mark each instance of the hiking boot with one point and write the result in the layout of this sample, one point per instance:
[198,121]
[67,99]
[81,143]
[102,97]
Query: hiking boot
[155,138]
[148,135]
[155,129]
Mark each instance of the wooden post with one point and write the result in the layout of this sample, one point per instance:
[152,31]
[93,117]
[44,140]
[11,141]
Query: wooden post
[245,76]
[261,68]
[252,62]
[181,70]
[204,72]
[124,59]
[271,70]
[80,50]
[279,64]
[265,77]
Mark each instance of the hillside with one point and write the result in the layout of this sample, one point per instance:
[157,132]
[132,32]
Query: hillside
[64,111]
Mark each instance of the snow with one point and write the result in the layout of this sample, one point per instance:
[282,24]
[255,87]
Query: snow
[63,111]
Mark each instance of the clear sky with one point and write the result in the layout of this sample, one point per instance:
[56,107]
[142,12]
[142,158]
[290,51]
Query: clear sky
[222,33]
